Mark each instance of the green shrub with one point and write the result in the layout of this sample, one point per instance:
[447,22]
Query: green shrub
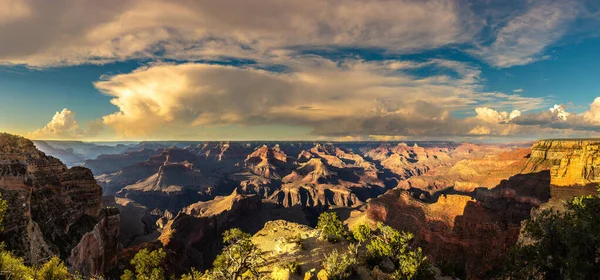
[12,267]
[560,245]
[293,267]
[193,275]
[240,259]
[339,266]
[331,227]
[395,245]
[54,269]
[362,233]
[148,266]
[3,207]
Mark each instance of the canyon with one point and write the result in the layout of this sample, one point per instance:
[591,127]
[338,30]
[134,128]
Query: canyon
[464,202]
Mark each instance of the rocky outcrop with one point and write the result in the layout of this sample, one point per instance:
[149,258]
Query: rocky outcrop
[195,233]
[468,234]
[571,162]
[466,216]
[97,250]
[54,210]
[50,206]
[316,197]
[267,162]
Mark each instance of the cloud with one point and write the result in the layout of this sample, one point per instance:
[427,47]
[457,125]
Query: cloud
[13,10]
[489,115]
[352,97]
[519,90]
[557,117]
[271,31]
[105,31]
[525,37]
[64,126]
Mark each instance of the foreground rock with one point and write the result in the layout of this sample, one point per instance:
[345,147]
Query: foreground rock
[50,207]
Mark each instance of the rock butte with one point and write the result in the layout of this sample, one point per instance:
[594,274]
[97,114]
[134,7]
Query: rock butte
[464,202]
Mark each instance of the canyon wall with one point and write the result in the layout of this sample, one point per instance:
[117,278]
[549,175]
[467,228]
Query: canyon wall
[571,162]
[50,207]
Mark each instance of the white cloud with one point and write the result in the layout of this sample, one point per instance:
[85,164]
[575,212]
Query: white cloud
[489,115]
[592,116]
[64,126]
[353,97]
[519,90]
[525,37]
[559,112]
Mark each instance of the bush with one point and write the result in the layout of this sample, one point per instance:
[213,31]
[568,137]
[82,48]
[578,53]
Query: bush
[395,245]
[239,259]
[331,226]
[3,207]
[560,245]
[148,266]
[362,233]
[54,269]
[193,275]
[12,267]
[293,267]
[339,266]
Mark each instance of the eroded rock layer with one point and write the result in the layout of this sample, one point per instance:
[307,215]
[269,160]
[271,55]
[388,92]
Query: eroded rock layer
[53,209]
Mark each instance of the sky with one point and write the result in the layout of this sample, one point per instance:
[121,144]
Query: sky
[339,70]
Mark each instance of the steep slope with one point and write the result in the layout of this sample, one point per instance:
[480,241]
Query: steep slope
[195,232]
[572,163]
[467,215]
[51,207]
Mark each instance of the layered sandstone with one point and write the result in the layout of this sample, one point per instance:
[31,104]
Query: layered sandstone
[571,162]
[97,250]
[50,206]
[195,232]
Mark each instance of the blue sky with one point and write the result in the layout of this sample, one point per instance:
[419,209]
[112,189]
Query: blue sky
[337,70]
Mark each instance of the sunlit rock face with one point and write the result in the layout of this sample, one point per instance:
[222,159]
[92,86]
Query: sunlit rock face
[50,207]
[195,232]
[467,215]
[571,162]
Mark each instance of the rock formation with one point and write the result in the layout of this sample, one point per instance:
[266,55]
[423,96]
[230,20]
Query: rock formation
[571,162]
[467,215]
[195,233]
[97,250]
[51,207]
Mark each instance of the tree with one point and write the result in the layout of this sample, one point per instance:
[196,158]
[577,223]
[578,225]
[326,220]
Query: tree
[3,207]
[148,266]
[12,267]
[331,226]
[339,266]
[394,245]
[239,259]
[54,269]
[560,245]
[362,233]
[193,275]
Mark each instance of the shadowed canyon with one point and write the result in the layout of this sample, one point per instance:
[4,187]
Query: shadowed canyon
[464,203]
